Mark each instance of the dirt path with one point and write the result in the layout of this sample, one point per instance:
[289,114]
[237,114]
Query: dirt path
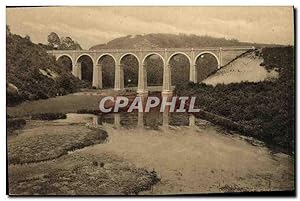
[200,160]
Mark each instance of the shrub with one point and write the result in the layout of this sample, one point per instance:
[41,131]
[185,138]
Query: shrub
[13,98]
[48,116]
[85,111]
[14,124]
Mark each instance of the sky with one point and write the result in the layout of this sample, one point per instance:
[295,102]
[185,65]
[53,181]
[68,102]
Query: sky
[97,25]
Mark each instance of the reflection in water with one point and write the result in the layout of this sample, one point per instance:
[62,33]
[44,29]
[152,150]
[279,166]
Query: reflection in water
[179,119]
[96,120]
[140,120]
[166,119]
[149,120]
[153,120]
[117,120]
[191,120]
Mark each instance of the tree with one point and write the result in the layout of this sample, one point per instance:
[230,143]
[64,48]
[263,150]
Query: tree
[53,40]
[68,43]
[27,37]
[64,43]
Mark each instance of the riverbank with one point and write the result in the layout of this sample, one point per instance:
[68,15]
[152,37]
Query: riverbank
[59,104]
[186,156]
[200,159]
[44,159]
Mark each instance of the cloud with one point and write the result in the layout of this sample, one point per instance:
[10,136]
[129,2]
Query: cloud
[94,25]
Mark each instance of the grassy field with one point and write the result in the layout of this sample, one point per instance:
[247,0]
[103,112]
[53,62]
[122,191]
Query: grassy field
[62,104]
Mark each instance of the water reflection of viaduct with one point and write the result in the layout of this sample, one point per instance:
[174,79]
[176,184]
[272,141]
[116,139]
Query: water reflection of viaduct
[141,55]
[140,120]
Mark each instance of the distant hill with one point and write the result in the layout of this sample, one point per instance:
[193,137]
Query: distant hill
[170,41]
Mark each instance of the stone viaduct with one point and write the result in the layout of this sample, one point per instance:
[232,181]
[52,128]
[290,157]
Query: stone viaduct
[223,56]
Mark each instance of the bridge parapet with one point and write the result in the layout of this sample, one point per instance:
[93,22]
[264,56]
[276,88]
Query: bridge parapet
[231,48]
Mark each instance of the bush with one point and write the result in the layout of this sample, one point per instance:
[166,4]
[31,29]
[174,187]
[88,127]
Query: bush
[13,98]
[14,124]
[48,116]
[85,111]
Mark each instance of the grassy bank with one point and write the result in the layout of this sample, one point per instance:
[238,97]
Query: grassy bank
[80,174]
[49,141]
[46,158]
[267,107]
[60,104]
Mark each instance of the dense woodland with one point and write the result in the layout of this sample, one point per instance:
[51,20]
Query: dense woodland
[268,107]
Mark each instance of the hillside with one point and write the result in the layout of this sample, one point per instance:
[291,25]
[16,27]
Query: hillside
[168,41]
[264,110]
[246,68]
[32,74]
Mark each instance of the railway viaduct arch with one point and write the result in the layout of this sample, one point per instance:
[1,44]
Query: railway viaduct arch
[192,55]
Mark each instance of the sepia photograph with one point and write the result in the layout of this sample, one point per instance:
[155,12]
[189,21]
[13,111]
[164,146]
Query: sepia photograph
[150,100]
